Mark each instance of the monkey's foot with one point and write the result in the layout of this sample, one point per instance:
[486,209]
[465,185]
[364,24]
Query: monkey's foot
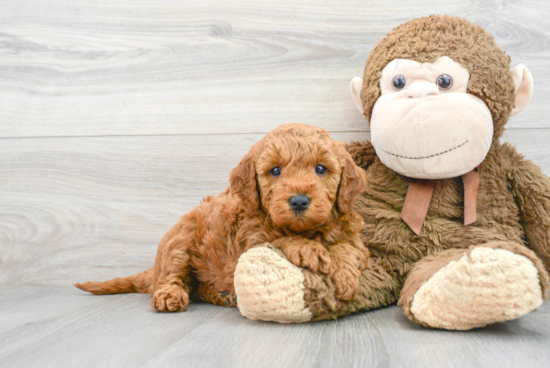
[483,287]
[270,288]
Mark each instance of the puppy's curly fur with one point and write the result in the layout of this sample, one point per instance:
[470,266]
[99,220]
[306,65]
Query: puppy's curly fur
[201,251]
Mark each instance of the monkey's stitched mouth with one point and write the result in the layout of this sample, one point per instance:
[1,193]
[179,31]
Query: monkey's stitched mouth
[430,156]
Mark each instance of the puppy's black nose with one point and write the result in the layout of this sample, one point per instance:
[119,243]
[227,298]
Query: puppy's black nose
[299,202]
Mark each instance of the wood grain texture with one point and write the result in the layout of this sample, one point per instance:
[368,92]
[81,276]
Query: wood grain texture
[74,329]
[119,67]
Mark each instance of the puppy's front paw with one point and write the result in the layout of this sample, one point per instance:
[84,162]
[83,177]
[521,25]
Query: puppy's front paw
[170,298]
[315,257]
[346,285]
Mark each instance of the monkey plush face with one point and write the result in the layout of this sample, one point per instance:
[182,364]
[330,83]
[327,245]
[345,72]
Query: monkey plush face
[444,131]
[437,92]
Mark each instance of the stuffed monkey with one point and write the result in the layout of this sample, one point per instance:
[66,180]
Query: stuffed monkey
[457,223]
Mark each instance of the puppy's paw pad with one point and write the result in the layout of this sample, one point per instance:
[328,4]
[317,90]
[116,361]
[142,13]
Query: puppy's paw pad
[228,299]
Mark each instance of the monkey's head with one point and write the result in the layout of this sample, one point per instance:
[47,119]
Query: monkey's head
[437,92]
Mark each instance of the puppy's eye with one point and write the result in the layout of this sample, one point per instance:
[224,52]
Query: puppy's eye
[321,170]
[444,82]
[399,82]
[276,171]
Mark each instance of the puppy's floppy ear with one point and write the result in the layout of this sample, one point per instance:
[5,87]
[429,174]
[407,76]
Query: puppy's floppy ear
[243,179]
[353,180]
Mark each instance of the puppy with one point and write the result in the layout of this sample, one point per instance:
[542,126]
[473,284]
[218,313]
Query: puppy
[295,189]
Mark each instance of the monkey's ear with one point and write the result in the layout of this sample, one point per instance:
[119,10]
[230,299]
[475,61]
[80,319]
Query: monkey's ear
[523,81]
[355,88]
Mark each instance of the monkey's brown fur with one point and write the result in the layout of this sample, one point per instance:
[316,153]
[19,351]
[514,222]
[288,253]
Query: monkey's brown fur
[204,246]
[513,211]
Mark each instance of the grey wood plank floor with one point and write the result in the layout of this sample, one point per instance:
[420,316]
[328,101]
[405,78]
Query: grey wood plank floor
[117,116]
[63,327]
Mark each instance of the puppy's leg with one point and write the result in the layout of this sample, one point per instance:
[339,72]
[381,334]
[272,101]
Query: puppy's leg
[349,260]
[305,253]
[172,274]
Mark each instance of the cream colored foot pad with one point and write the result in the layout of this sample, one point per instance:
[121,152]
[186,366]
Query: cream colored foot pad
[483,287]
[270,288]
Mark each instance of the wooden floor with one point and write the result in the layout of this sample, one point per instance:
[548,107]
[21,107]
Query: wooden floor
[63,327]
[117,116]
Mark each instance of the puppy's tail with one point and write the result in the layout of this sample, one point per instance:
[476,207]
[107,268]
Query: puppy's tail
[140,283]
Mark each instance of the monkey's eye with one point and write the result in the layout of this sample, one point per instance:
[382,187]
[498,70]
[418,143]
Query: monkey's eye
[276,171]
[399,82]
[444,82]
[321,170]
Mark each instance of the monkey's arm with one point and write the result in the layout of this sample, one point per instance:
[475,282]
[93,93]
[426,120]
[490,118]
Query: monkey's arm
[531,188]
[349,260]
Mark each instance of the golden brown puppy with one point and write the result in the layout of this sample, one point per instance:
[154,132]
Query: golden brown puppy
[294,189]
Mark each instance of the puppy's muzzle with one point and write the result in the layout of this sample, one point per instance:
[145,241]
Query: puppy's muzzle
[299,203]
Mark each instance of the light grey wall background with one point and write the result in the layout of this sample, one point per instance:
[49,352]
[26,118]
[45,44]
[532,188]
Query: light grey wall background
[117,116]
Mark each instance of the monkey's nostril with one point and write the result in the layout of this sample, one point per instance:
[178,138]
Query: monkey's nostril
[299,202]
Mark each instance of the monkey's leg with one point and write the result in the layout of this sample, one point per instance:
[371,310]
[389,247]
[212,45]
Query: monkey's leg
[461,289]
[172,274]
[271,288]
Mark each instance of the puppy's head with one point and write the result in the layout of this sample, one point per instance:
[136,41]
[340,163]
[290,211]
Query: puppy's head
[299,175]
